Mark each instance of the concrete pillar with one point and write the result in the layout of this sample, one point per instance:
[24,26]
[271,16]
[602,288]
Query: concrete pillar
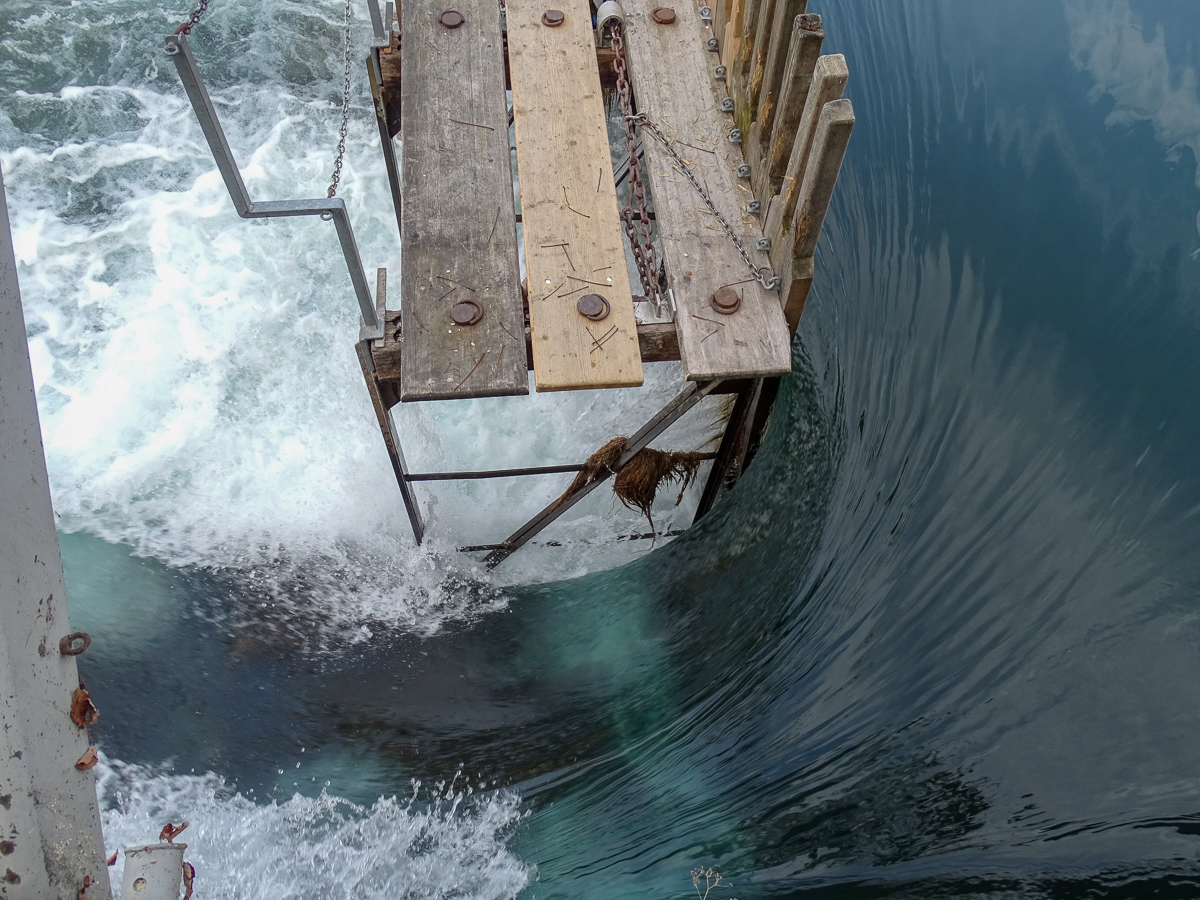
[49,815]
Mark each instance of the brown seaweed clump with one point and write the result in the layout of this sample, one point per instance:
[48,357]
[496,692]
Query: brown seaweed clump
[603,460]
[638,481]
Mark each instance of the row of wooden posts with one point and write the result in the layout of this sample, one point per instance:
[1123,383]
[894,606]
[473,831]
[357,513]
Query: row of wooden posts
[794,123]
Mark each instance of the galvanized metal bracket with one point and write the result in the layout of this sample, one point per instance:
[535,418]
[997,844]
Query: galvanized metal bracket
[329,208]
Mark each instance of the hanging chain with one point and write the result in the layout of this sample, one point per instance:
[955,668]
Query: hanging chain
[341,145]
[194,19]
[763,275]
[641,239]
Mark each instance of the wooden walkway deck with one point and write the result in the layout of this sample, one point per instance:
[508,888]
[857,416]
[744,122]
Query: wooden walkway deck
[465,322]
[743,130]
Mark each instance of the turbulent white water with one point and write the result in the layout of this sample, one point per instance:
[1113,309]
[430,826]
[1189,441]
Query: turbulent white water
[200,396]
[202,404]
[320,847]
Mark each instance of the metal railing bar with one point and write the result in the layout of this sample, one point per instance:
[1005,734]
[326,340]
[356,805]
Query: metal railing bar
[509,473]
[331,208]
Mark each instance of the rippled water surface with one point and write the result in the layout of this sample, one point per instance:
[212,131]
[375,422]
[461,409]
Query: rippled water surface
[943,639]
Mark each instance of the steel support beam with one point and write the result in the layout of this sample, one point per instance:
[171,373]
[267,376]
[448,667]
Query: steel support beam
[395,454]
[509,473]
[731,455]
[330,208]
[691,395]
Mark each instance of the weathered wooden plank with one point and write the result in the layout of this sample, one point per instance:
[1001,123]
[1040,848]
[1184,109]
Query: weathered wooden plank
[758,62]
[731,37]
[668,65]
[739,70]
[821,175]
[782,25]
[720,18]
[829,149]
[803,53]
[829,81]
[657,342]
[572,231]
[796,275]
[459,237]
[757,145]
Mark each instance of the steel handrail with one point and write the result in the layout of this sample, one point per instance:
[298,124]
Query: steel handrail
[327,208]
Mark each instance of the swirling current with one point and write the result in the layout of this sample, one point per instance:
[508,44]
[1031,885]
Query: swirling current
[943,639]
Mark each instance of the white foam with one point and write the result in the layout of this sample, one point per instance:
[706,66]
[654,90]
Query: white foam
[319,847]
[200,397]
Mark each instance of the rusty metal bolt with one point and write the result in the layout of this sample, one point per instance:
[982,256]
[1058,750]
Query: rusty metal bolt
[451,18]
[552,18]
[67,647]
[726,301]
[466,312]
[593,306]
[663,15]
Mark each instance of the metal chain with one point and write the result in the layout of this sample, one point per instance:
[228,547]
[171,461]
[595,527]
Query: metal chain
[641,239]
[341,145]
[194,19]
[763,275]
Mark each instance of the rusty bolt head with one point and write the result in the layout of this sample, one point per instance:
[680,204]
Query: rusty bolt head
[726,301]
[451,18]
[552,18]
[663,15]
[466,312]
[592,306]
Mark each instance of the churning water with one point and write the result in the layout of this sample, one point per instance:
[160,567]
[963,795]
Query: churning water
[943,639]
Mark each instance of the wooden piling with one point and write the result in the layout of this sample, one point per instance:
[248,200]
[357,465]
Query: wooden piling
[786,21]
[829,81]
[829,149]
[805,49]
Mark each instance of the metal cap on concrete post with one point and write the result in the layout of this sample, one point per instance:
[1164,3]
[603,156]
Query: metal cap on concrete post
[153,872]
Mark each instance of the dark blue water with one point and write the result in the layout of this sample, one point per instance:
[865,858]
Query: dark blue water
[944,637]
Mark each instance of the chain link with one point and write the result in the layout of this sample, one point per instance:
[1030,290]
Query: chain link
[641,237]
[763,275]
[341,145]
[194,19]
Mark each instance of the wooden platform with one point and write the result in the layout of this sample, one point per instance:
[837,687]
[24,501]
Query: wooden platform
[457,167]
[743,130]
